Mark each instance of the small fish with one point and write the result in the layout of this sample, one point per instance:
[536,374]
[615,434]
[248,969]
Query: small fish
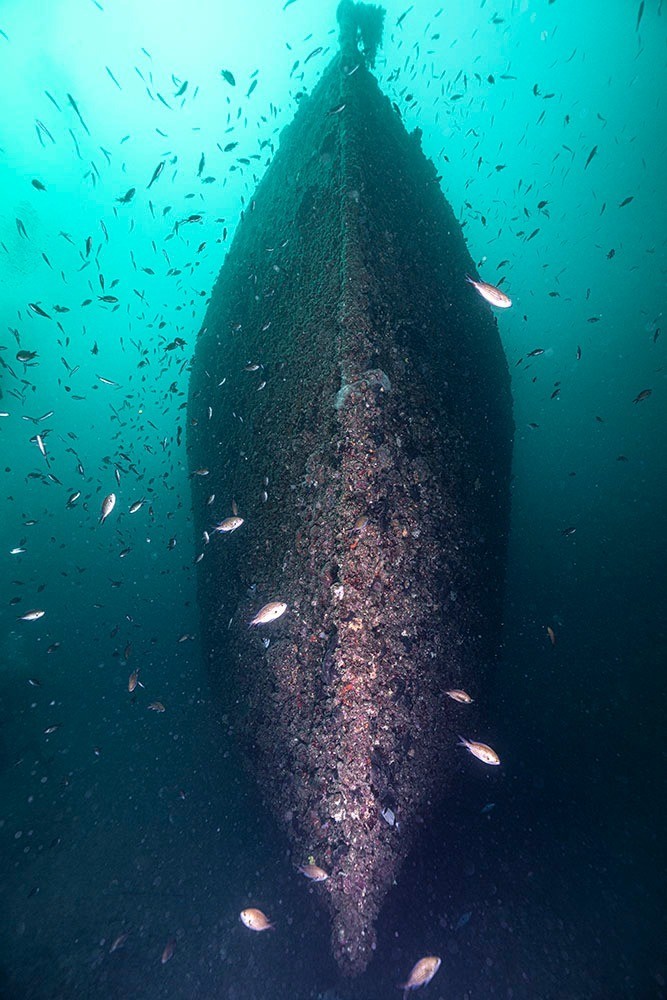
[73,499]
[626,201]
[106,381]
[480,750]
[492,294]
[25,356]
[107,298]
[133,680]
[591,155]
[421,974]
[536,353]
[255,920]
[118,943]
[269,613]
[32,616]
[229,524]
[552,635]
[127,197]
[336,110]
[313,872]
[16,551]
[228,76]
[36,308]
[113,77]
[156,706]
[52,729]
[640,14]
[644,394]
[137,505]
[200,472]
[456,694]
[168,950]
[566,532]
[108,505]
[77,112]
[37,185]
[156,173]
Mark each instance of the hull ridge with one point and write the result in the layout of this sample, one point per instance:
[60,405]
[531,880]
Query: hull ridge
[372,472]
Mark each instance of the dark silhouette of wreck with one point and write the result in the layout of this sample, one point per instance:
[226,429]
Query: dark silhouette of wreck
[364,431]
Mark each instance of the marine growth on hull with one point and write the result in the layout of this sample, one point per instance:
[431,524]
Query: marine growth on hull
[350,403]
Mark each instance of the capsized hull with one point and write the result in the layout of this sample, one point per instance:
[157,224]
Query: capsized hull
[369,455]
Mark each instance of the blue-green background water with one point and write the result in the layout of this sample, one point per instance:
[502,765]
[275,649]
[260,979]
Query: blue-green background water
[130,821]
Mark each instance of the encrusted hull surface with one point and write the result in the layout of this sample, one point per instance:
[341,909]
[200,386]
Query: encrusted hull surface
[372,472]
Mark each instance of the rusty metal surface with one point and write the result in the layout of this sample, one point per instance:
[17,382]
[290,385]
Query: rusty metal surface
[386,397]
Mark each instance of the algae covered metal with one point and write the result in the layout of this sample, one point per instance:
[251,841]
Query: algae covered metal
[350,400]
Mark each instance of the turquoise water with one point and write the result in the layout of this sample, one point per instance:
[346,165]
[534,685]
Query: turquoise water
[543,119]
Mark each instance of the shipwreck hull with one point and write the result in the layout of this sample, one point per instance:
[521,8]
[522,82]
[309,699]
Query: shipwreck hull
[386,398]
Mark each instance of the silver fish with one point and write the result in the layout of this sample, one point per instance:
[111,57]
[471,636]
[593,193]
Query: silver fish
[229,524]
[108,505]
[32,616]
[492,294]
[269,613]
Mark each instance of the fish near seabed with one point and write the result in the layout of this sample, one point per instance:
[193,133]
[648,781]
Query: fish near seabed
[422,973]
[108,505]
[492,294]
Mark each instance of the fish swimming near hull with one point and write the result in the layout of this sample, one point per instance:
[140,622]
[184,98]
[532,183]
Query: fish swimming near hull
[490,293]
